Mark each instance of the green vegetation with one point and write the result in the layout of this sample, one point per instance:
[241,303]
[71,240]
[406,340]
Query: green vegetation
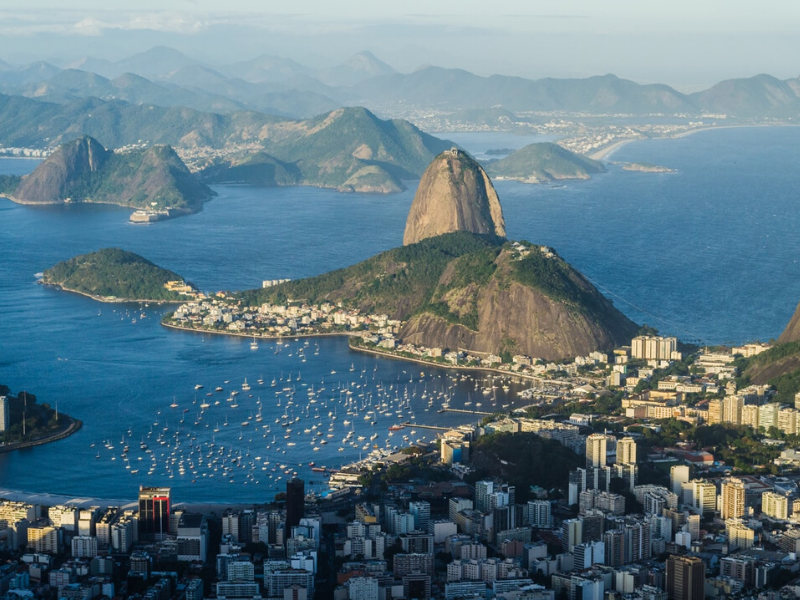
[544,162]
[259,169]
[327,150]
[737,446]
[9,184]
[399,282]
[39,418]
[116,273]
[779,367]
[555,278]
[522,459]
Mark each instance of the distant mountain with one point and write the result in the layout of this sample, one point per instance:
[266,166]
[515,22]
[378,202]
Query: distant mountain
[34,124]
[349,149]
[155,62]
[359,67]
[756,96]
[365,80]
[454,194]
[542,162]
[458,89]
[37,71]
[84,171]
[266,69]
[115,274]
[101,66]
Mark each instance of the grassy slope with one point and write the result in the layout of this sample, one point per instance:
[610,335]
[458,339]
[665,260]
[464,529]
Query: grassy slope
[780,367]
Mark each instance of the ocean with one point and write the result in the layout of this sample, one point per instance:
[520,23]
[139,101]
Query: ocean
[707,253]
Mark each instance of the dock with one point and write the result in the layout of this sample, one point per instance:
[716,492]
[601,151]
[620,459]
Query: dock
[466,412]
[418,426]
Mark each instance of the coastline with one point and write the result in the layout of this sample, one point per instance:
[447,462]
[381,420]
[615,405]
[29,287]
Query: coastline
[256,335]
[606,152]
[74,426]
[429,363]
[110,299]
[361,349]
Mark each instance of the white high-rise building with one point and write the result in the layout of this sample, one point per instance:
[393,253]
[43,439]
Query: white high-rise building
[596,450]
[678,475]
[626,451]
[651,347]
[775,505]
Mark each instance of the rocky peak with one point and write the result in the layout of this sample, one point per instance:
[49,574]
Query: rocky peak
[454,194]
[70,163]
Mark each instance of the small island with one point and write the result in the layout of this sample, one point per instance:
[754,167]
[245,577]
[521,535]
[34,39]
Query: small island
[30,423]
[542,163]
[646,168]
[114,275]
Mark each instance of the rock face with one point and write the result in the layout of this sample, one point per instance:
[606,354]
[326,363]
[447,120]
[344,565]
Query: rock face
[521,315]
[53,180]
[454,194]
[792,331]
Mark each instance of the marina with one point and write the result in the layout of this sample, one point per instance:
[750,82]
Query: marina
[307,419]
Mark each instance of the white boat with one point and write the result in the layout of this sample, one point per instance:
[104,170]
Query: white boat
[254,344]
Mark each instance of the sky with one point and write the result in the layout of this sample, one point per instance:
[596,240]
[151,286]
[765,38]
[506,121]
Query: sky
[687,44]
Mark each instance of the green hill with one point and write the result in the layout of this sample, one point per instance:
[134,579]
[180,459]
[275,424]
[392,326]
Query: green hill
[541,162]
[523,460]
[779,367]
[114,273]
[82,170]
[471,291]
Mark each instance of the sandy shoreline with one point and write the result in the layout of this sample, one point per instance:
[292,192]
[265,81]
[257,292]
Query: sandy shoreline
[605,153]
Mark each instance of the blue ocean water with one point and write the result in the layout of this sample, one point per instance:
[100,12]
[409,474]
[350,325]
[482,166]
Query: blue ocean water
[707,253]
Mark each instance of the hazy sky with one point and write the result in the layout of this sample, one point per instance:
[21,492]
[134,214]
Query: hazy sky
[684,43]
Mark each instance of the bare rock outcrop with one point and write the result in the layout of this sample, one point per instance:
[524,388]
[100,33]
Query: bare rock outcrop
[454,194]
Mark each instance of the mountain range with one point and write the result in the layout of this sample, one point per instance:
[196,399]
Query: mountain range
[348,149]
[281,86]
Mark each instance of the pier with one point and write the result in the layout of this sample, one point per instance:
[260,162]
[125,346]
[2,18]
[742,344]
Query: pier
[467,412]
[434,427]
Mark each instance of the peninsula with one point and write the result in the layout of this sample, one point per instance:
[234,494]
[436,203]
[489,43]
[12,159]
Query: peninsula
[114,275]
[31,423]
[457,284]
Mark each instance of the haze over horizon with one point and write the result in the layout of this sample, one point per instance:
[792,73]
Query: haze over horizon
[682,44]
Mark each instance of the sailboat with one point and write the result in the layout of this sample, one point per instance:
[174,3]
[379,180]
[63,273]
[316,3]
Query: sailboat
[254,344]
